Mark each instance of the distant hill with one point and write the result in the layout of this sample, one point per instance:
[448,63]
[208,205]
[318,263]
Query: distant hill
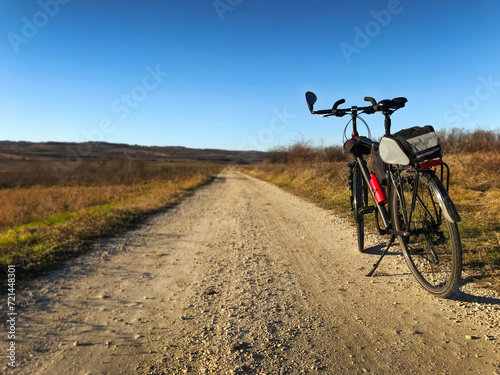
[97,151]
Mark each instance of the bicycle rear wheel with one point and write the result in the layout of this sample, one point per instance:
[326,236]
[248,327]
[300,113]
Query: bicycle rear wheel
[433,249]
[358,191]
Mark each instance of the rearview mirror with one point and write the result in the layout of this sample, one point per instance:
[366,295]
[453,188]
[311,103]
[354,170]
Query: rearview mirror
[311,99]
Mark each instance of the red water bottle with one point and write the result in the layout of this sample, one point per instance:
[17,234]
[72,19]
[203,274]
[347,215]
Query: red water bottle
[378,190]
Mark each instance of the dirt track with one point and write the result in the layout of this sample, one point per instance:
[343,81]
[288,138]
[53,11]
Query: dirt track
[245,278]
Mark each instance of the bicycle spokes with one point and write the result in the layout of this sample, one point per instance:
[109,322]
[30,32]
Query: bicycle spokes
[430,247]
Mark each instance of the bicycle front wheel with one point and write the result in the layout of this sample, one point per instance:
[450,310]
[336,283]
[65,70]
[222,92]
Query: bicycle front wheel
[432,250]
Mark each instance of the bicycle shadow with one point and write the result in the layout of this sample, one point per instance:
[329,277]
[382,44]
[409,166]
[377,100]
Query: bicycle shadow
[378,249]
[459,295]
[463,296]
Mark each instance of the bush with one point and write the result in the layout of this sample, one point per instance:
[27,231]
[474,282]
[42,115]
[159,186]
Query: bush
[305,152]
[455,140]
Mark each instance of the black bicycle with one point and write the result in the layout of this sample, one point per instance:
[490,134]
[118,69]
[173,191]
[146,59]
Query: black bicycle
[408,184]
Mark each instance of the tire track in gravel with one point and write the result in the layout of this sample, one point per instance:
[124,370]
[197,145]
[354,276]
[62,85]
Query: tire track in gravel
[242,277]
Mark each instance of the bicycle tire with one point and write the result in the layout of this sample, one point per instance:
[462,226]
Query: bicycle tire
[357,188]
[435,255]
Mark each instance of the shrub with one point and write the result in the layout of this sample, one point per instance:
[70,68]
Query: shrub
[455,140]
[304,151]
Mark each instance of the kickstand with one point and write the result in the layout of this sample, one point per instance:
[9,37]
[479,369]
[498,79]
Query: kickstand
[375,265]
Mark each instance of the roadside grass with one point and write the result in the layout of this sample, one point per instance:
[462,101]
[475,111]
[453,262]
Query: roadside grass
[473,188]
[42,225]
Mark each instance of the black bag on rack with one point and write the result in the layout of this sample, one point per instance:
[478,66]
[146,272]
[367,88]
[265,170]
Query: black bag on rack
[411,146]
[355,147]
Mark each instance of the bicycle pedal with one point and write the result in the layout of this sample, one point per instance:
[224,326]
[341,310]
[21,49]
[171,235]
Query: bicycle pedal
[440,240]
[417,251]
[367,210]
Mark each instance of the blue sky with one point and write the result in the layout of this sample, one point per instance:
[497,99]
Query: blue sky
[232,73]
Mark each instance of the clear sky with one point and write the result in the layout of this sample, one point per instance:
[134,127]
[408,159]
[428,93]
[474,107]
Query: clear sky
[232,73]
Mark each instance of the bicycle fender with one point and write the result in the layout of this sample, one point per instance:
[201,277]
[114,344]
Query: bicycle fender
[449,210]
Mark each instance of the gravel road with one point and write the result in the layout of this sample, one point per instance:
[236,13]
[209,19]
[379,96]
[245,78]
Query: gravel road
[242,277]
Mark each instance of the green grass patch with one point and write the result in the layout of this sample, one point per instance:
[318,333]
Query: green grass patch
[40,244]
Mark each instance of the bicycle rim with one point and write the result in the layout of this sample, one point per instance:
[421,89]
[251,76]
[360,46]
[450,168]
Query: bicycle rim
[358,205]
[434,255]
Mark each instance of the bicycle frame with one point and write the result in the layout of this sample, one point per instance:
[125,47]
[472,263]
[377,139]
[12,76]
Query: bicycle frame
[445,203]
[365,172]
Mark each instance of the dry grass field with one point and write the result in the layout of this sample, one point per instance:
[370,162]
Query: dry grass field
[49,211]
[320,175]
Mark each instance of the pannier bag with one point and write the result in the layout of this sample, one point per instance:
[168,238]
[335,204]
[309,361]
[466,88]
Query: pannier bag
[410,146]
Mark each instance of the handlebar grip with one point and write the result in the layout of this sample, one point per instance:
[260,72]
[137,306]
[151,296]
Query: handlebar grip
[371,100]
[324,112]
[337,103]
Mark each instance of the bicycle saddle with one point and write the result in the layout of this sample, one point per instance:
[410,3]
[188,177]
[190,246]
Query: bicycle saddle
[394,103]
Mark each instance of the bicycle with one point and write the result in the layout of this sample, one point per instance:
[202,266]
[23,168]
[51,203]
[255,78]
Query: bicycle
[419,212]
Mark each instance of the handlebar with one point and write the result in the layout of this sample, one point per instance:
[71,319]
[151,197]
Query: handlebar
[387,107]
[344,111]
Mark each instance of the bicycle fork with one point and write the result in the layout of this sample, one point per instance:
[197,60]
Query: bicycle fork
[351,167]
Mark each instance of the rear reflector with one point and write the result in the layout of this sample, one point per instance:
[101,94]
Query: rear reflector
[432,163]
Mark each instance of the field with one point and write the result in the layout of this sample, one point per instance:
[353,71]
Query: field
[51,210]
[320,175]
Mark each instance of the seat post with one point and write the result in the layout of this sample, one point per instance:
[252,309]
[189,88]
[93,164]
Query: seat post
[387,124]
